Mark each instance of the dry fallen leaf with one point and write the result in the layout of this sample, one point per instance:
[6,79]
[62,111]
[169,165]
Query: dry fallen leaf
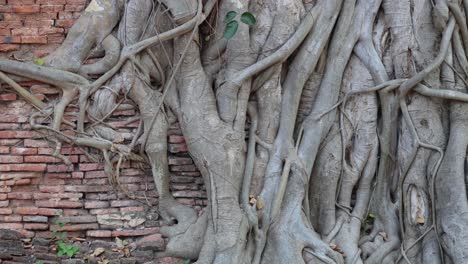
[98,251]
[420,220]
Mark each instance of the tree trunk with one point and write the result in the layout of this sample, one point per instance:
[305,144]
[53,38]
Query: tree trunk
[326,131]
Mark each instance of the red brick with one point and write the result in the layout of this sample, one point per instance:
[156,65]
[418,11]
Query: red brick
[10,218]
[96,204]
[3,196]
[11,24]
[7,97]
[59,204]
[36,226]
[77,227]
[66,23]
[6,211]
[91,166]
[19,175]
[179,161]
[26,9]
[4,203]
[104,211]
[10,39]
[35,218]
[176,139]
[51,8]
[4,8]
[51,189]
[137,232]
[5,31]
[5,48]
[99,233]
[21,2]
[60,168]
[36,143]
[4,189]
[13,118]
[55,39]
[132,209]
[51,2]
[74,8]
[39,23]
[37,211]
[11,159]
[7,126]
[17,134]
[88,188]
[14,226]
[23,151]
[24,31]
[77,175]
[95,174]
[4,150]
[50,30]
[23,167]
[20,195]
[43,159]
[39,196]
[34,39]
[124,203]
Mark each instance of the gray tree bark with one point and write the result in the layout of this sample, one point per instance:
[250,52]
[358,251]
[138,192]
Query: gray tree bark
[331,131]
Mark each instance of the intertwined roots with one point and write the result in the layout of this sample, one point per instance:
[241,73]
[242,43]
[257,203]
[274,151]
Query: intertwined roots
[328,131]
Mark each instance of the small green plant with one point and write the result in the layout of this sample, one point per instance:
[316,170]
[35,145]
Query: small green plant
[232,24]
[63,246]
[186,261]
[39,262]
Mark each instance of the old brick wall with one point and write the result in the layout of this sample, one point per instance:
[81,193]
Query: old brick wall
[36,188]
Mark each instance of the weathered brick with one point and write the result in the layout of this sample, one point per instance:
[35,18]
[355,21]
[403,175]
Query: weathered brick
[14,226]
[79,219]
[132,209]
[124,203]
[87,188]
[59,168]
[6,211]
[11,159]
[13,118]
[20,196]
[8,96]
[66,23]
[36,143]
[51,188]
[44,195]
[39,23]
[51,8]
[76,227]
[99,233]
[10,218]
[34,39]
[35,218]
[36,226]
[179,161]
[23,167]
[23,151]
[176,139]
[18,175]
[4,149]
[59,204]
[37,211]
[21,2]
[25,8]
[24,31]
[96,204]
[103,211]
[137,232]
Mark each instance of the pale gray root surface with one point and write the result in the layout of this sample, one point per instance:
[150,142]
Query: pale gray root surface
[331,131]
